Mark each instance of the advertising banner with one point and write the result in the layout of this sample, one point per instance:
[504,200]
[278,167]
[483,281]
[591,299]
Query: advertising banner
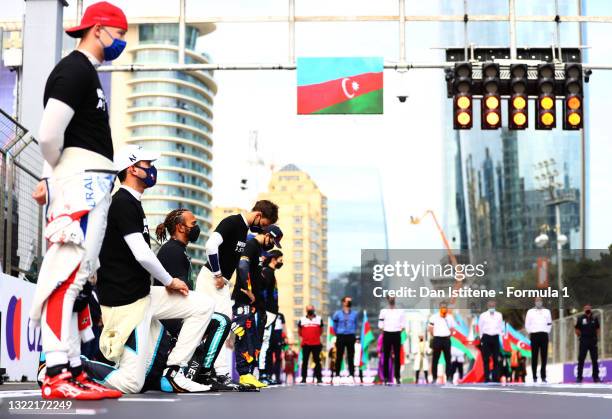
[570,371]
[20,344]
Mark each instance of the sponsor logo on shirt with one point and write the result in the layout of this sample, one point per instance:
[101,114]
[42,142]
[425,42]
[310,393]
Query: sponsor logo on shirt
[101,100]
[240,247]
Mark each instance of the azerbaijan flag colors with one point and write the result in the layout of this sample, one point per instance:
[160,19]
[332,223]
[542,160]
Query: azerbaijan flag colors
[348,85]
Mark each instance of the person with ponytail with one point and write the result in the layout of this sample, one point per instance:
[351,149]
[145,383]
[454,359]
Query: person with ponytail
[178,229]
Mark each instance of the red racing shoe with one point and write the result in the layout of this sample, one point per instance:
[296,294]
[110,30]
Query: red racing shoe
[108,393]
[63,386]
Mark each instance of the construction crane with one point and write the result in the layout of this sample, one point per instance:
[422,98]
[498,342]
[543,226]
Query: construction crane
[451,255]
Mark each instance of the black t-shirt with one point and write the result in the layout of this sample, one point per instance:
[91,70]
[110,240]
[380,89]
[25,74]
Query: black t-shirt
[587,326]
[174,258]
[74,81]
[269,289]
[121,279]
[234,231]
[252,251]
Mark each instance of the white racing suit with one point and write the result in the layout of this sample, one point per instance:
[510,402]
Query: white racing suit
[135,360]
[157,349]
[205,284]
[78,198]
[265,355]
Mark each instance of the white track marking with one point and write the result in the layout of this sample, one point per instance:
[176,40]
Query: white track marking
[143,399]
[199,394]
[18,393]
[509,390]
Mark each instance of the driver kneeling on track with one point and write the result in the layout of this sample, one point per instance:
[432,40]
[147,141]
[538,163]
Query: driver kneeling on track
[131,307]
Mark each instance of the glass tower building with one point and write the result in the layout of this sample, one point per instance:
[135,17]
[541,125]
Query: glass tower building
[169,112]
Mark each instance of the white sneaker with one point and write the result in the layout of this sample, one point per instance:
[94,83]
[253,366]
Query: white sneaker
[336,380]
[174,381]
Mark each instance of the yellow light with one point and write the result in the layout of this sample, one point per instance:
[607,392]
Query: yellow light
[547,118]
[492,118]
[574,103]
[519,102]
[574,118]
[492,102]
[463,118]
[547,102]
[464,102]
[519,118]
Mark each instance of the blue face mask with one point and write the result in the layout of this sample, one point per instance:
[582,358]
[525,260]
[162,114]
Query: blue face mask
[114,50]
[151,179]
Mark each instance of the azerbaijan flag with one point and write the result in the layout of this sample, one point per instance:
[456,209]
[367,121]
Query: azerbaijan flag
[346,85]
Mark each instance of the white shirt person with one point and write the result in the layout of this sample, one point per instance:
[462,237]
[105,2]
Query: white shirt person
[441,326]
[491,323]
[538,320]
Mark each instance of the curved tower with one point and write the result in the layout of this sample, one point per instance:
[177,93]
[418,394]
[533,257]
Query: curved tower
[170,112]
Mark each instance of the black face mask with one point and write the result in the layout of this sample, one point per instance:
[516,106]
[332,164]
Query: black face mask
[349,304]
[278,265]
[256,228]
[310,312]
[587,312]
[194,233]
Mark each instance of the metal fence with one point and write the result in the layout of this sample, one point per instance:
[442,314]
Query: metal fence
[21,217]
[567,324]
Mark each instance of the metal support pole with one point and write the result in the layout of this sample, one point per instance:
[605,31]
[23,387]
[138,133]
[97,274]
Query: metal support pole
[558,30]
[8,268]
[182,29]
[292,31]
[3,215]
[42,49]
[562,334]
[602,331]
[402,31]
[79,11]
[465,30]
[583,159]
[512,19]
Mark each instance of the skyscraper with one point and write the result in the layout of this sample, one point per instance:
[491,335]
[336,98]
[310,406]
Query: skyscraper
[303,219]
[171,112]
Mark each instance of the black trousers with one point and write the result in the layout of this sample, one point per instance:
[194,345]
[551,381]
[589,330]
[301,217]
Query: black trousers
[345,342]
[416,378]
[315,350]
[490,348]
[441,345]
[457,366]
[277,360]
[276,345]
[261,326]
[588,346]
[539,345]
[392,342]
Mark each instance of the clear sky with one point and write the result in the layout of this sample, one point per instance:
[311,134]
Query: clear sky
[350,157]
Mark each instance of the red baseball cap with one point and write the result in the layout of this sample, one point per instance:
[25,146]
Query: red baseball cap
[103,13]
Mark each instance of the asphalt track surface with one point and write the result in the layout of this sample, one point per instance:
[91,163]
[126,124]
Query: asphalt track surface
[355,402]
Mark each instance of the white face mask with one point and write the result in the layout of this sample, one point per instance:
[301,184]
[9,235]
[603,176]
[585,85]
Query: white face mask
[539,304]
